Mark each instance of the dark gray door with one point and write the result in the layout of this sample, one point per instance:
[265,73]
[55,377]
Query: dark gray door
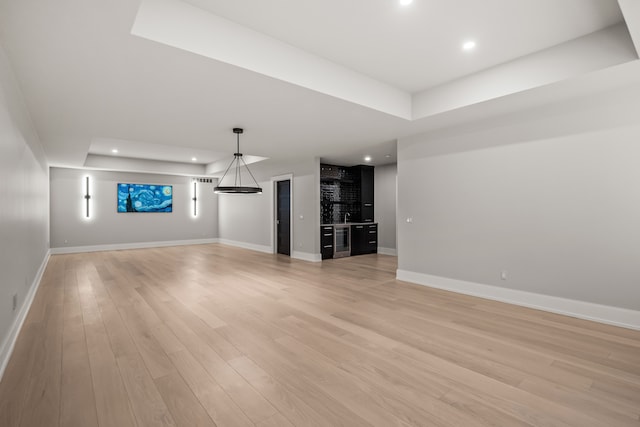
[284,217]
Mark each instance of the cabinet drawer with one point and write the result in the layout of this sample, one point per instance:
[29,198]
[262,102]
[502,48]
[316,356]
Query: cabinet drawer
[326,241]
[327,251]
[371,245]
[326,233]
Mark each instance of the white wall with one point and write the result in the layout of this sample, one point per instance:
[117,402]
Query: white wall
[306,211]
[385,183]
[71,229]
[560,215]
[24,211]
[247,220]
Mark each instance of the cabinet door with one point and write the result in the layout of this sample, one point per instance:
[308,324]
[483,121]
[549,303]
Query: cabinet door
[366,194]
[366,212]
[366,184]
[358,239]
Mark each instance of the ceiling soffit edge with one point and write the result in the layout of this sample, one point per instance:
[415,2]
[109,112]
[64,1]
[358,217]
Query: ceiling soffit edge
[181,25]
[184,26]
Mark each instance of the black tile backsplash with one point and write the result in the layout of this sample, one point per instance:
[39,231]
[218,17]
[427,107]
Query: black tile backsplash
[339,192]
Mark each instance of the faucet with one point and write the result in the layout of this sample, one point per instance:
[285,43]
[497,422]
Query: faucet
[346,214]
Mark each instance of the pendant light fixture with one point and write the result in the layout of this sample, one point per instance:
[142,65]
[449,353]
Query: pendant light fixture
[238,161]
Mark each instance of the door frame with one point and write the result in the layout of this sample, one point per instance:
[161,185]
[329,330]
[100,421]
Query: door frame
[274,214]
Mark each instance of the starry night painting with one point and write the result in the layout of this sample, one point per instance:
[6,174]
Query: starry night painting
[145,198]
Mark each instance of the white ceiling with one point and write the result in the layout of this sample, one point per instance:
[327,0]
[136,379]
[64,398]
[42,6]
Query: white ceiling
[416,47]
[89,83]
[150,151]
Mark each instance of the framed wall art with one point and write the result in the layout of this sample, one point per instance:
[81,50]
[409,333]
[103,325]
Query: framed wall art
[145,198]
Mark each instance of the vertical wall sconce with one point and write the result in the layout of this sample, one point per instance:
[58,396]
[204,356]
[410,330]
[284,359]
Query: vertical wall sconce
[87,196]
[195,198]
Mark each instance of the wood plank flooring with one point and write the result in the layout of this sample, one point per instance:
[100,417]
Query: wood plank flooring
[211,335]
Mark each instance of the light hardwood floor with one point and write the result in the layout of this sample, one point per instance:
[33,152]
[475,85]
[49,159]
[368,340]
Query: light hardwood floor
[214,335]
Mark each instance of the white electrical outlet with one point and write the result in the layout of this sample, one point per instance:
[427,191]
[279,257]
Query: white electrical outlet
[410,220]
[503,275]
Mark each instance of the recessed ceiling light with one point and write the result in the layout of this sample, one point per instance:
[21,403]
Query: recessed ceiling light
[469,45]
[114,151]
[193,159]
[388,155]
[367,158]
[405,2]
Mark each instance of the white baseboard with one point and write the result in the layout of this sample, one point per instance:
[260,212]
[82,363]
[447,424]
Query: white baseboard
[306,256]
[388,251]
[245,245]
[581,309]
[10,340]
[123,246]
